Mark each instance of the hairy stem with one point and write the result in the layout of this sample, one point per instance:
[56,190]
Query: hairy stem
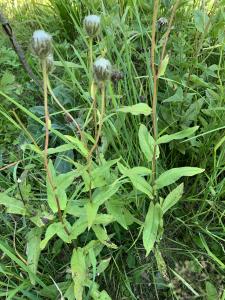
[98,135]
[47,122]
[154,96]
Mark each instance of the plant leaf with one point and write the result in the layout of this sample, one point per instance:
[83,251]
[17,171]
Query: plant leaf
[33,251]
[78,145]
[13,205]
[102,236]
[177,97]
[55,228]
[173,197]
[163,66]
[141,185]
[137,109]
[172,175]
[177,136]
[151,225]
[147,142]
[78,267]
[201,19]
[211,291]
[78,227]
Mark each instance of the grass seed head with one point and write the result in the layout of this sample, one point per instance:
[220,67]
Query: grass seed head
[42,43]
[92,25]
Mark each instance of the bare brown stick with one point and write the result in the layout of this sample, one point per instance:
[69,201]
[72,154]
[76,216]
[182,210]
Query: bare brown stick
[18,49]
[47,123]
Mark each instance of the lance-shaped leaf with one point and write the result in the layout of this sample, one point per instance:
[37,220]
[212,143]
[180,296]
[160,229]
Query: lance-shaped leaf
[147,143]
[137,109]
[172,198]
[177,136]
[172,175]
[13,205]
[78,268]
[33,251]
[151,225]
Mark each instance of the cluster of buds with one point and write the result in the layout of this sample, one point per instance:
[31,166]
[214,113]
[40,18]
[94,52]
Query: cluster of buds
[42,47]
[162,23]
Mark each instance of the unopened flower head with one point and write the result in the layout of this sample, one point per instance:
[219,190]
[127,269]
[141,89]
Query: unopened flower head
[42,43]
[162,22]
[102,69]
[50,63]
[92,25]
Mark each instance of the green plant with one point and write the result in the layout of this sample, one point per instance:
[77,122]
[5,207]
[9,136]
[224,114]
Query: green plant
[117,173]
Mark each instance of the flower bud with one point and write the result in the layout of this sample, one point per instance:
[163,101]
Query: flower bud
[42,43]
[50,63]
[92,25]
[161,23]
[102,69]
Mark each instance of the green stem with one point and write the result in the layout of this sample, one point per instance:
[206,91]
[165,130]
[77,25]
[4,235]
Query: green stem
[47,123]
[101,118]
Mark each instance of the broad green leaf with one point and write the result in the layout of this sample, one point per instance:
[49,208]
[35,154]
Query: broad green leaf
[103,194]
[141,184]
[7,79]
[172,175]
[163,66]
[56,187]
[78,145]
[63,181]
[177,136]
[93,261]
[13,206]
[151,224]
[103,265]
[138,182]
[91,212]
[147,142]
[61,148]
[211,291]
[177,97]
[55,228]
[115,208]
[137,109]
[142,171]
[100,176]
[33,251]
[78,227]
[201,19]
[78,268]
[173,197]
[104,219]
[103,237]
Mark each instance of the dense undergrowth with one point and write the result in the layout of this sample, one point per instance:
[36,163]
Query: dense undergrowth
[109,217]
